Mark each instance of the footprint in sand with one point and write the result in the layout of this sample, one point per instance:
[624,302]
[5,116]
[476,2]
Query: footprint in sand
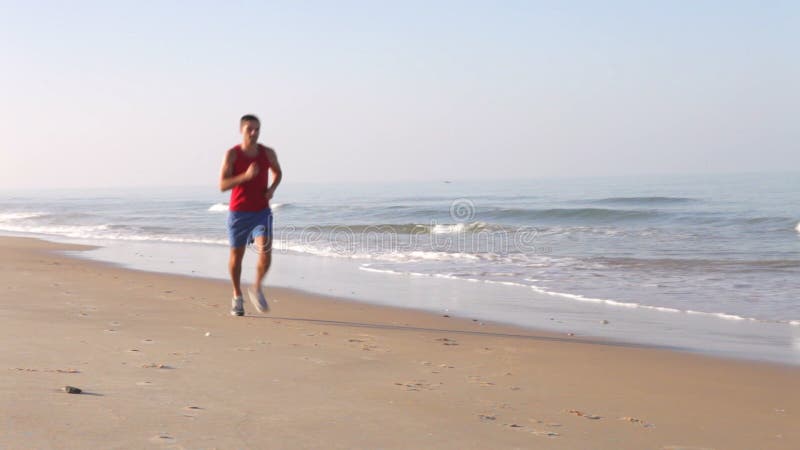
[147,341]
[26,369]
[447,341]
[583,414]
[156,366]
[443,366]
[548,424]
[418,385]
[163,438]
[637,421]
[367,343]
[479,380]
[144,383]
[545,433]
[191,411]
[371,347]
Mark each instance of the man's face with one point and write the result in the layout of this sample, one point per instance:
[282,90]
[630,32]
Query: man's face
[250,130]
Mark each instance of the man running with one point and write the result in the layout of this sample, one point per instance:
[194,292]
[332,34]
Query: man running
[245,171]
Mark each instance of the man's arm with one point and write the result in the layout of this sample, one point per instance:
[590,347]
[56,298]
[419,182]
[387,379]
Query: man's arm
[226,178]
[277,173]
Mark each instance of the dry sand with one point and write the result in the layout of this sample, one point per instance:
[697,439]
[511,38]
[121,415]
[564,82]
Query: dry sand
[163,365]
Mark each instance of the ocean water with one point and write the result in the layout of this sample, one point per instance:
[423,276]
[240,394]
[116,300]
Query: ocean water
[692,253]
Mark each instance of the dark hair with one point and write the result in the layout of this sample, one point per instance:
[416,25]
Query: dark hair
[248,118]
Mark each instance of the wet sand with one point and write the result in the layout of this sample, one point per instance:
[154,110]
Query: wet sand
[162,364]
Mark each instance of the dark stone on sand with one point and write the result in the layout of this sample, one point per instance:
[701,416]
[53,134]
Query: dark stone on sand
[72,390]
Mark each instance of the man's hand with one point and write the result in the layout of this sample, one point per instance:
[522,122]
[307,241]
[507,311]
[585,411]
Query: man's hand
[268,194]
[251,172]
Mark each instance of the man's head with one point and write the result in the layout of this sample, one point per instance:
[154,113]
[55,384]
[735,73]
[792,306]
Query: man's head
[250,126]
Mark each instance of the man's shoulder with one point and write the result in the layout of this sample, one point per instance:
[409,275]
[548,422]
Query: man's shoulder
[266,148]
[269,152]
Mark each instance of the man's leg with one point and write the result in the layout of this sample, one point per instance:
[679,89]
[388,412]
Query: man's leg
[262,240]
[235,269]
[264,246]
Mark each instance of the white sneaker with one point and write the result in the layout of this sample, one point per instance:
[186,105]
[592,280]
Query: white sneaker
[258,300]
[237,306]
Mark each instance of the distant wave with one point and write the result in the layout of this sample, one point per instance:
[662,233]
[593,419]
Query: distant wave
[108,232]
[74,231]
[583,214]
[684,264]
[459,228]
[497,215]
[394,256]
[601,217]
[404,228]
[643,200]
[767,220]
[797,228]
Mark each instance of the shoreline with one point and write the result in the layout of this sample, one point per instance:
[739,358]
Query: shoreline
[704,334]
[465,324]
[332,372]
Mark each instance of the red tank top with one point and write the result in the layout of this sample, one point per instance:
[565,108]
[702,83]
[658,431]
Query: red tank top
[249,196]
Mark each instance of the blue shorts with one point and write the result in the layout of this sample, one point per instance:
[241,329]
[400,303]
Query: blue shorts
[245,226]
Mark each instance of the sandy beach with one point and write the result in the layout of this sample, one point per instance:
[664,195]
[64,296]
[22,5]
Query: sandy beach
[162,364]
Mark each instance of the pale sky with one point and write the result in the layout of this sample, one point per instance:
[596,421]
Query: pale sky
[143,93]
